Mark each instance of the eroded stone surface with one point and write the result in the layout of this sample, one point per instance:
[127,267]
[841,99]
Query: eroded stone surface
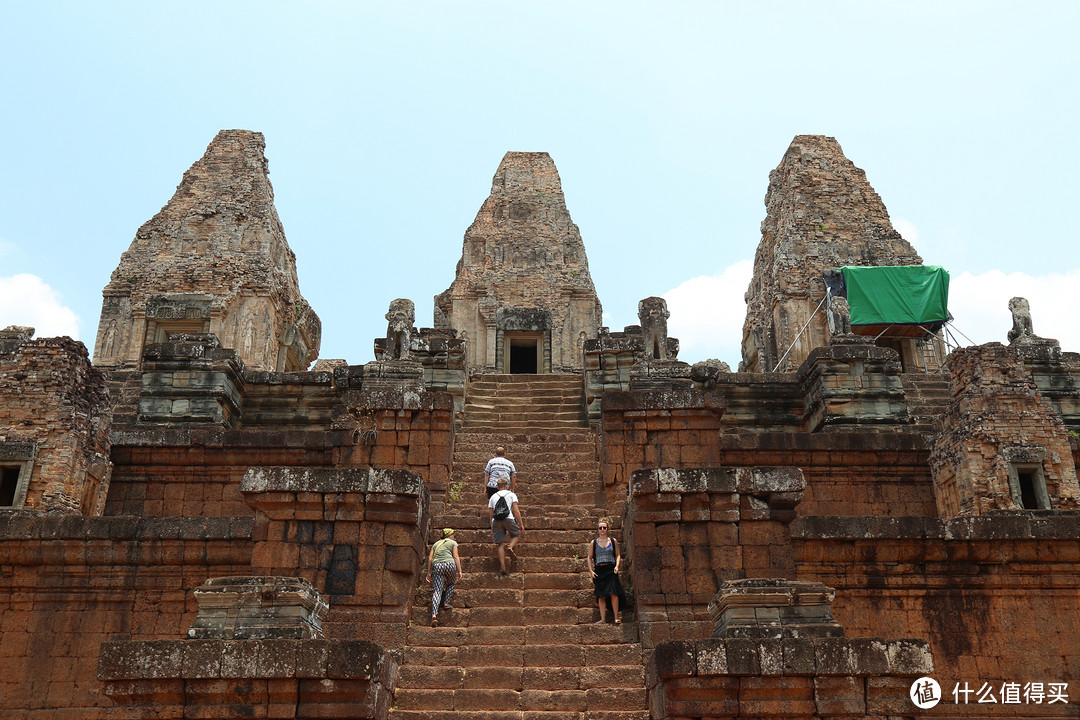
[214,259]
[55,418]
[997,429]
[822,214]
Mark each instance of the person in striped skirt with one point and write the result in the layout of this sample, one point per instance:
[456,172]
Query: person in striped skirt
[444,572]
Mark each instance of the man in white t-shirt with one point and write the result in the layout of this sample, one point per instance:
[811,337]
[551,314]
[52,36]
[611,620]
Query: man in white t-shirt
[511,525]
[499,467]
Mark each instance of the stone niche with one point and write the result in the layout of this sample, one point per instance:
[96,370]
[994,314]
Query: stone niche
[213,260]
[55,418]
[522,297]
[1004,446]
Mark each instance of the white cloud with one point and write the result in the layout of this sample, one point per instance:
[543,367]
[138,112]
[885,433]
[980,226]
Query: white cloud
[28,300]
[980,305]
[707,314]
[7,249]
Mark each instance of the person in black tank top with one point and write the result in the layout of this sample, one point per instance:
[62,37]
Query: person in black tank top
[604,561]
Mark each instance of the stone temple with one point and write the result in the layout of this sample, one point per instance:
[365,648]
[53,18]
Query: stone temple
[209,521]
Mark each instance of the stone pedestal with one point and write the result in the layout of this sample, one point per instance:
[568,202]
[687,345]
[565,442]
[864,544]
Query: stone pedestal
[331,679]
[651,374]
[774,608]
[258,608]
[191,379]
[404,375]
[851,383]
[442,354]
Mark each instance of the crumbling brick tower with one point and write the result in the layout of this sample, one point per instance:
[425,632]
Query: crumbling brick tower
[822,214]
[522,296]
[213,260]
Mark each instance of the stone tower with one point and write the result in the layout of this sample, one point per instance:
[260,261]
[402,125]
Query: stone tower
[213,260]
[821,214]
[522,296]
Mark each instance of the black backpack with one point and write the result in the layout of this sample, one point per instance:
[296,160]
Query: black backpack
[502,509]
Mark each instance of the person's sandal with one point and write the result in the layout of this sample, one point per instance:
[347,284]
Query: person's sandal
[434,621]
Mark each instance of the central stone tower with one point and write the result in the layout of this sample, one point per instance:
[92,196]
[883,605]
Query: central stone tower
[522,297]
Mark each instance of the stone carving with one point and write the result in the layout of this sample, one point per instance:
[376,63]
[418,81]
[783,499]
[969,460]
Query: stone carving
[653,314]
[839,316]
[1021,319]
[718,365]
[399,318]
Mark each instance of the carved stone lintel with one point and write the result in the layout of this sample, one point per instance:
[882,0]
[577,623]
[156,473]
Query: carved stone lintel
[393,375]
[651,374]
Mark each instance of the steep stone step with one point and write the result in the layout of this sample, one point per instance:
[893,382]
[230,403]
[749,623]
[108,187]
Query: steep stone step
[524,395]
[523,645]
[486,436]
[523,455]
[526,416]
[582,443]
[578,517]
[528,645]
[519,715]
[461,616]
[513,703]
[497,426]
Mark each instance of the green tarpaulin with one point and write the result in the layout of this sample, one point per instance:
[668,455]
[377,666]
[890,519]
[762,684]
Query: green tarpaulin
[907,294]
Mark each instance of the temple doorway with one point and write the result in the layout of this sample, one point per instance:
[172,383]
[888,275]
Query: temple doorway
[522,354]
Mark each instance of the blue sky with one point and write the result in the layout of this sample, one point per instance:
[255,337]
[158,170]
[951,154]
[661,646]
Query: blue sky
[385,122]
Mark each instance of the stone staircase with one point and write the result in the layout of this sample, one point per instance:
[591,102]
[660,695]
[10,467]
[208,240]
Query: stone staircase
[926,395]
[524,646]
[525,403]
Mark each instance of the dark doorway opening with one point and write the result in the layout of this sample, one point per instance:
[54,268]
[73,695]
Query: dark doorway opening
[9,484]
[523,356]
[1029,500]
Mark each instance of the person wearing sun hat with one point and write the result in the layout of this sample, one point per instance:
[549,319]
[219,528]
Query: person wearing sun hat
[444,572]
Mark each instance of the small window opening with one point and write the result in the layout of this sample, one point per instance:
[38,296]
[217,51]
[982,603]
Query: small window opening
[1028,486]
[9,485]
[1028,498]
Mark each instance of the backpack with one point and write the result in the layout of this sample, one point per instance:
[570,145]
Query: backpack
[502,509]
